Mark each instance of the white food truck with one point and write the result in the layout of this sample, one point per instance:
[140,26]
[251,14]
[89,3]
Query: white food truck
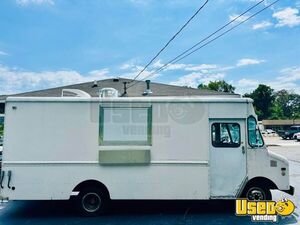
[169,148]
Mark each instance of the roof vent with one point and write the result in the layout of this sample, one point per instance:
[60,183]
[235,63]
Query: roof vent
[108,93]
[95,84]
[148,89]
[125,90]
[74,93]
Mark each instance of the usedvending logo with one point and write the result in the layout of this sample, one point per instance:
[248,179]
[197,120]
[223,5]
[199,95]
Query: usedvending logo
[264,211]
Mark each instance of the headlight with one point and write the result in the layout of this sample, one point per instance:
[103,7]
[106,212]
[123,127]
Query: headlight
[286,133]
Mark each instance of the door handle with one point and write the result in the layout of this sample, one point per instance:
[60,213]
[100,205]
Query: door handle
[243,150]
[1,179]
[9,179]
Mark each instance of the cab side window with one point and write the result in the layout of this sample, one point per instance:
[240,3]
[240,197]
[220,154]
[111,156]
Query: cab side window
[254,136]
[226,135]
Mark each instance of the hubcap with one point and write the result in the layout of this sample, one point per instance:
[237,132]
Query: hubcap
[91,202]
[256,194]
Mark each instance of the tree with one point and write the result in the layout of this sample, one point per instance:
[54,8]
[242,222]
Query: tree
[263,97]
[286,105]
[219,85]
[295,105]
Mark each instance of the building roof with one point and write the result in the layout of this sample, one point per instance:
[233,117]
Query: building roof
[281,122]
[158,89]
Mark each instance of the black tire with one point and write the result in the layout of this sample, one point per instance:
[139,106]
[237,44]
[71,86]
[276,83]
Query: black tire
[92,201]
[257,193]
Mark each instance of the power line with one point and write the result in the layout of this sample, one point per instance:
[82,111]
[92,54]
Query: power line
[207,37]
[166,45]
[201,41]
[182,55]
[227,31]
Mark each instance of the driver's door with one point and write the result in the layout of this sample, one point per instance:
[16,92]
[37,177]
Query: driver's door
[227,157]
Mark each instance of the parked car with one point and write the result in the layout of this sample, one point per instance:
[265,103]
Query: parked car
[297,136]
[289,133]
[268,131]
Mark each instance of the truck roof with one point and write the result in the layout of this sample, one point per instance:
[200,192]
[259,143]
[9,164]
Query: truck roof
[132,99]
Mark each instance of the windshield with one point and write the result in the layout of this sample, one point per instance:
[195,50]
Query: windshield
[254,136]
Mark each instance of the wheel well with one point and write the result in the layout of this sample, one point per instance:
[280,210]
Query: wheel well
[260,182]
[92,183]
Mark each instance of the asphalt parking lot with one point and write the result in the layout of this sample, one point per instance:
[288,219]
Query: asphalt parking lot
[155,212]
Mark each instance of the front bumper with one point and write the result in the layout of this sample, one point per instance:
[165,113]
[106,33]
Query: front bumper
[291,191]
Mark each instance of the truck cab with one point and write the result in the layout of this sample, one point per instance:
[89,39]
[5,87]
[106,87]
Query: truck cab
[241,164]
[265,168]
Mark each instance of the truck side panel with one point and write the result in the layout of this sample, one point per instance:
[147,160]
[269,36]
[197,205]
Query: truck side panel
[50,147]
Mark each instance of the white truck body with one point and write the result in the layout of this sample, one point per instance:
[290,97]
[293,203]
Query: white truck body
[138,148]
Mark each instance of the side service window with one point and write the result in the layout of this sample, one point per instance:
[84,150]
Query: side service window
[125,125]
[226,135]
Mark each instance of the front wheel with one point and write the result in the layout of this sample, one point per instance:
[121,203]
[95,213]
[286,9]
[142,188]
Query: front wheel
[258,194]
[91,202]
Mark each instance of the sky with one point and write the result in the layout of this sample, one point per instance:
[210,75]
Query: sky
[50,43]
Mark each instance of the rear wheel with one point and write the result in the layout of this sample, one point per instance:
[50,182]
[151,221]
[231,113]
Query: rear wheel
[258,194]
[92,201]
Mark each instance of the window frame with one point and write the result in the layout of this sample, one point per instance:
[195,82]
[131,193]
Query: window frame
[102,142]
[227,128]
[248,133]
